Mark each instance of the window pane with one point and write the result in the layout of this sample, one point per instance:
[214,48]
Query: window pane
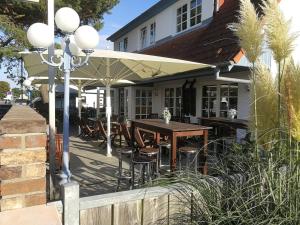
[137,110]
[199,9]
[224,91]
[193,22]
[184,17]
[137,101]
[167,92]
[184,8]
[178,11]
[233,91]
[143,93]
[193,3]
[199,2]
[137,93]
[143,101]
[171,102]
[184,26]
[171,92]
[178,92]
[178,19]
[150,93]
[193,12]
[167,102]
[178,28]
[233,103]
[198,19]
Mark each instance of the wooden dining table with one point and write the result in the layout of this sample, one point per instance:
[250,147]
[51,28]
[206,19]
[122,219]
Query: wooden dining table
[173,130]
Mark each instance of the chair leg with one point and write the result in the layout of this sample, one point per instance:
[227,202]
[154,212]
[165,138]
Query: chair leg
[179,161]
[196,162]
[132,175]
[149,173]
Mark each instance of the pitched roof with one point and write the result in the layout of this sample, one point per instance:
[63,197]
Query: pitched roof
[212,44]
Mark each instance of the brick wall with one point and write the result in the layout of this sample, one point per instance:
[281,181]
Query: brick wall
[22,159]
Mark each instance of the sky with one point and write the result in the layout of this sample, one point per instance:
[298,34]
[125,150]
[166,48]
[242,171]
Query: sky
[118,17]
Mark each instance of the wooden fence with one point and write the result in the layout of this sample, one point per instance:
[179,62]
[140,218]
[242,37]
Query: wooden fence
[148,206]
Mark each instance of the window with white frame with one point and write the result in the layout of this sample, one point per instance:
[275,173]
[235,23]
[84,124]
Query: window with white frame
[182,17]
[173,100]
[152,32]
[144,37]
[209,101]
[228,98]
[195,12]
[143,103]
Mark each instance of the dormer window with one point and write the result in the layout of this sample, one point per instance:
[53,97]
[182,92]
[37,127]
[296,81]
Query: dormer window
[196,12]
[182,18]
[152,32]
[144,37]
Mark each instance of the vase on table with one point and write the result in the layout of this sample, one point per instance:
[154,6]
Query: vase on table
[167,120]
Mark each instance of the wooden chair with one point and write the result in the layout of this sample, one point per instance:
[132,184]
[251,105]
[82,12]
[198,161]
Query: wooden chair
[86,130]
[102,133]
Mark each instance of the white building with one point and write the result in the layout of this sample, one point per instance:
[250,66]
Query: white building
[194,30]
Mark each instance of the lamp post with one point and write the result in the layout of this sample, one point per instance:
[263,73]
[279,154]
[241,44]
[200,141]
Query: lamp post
[75,38]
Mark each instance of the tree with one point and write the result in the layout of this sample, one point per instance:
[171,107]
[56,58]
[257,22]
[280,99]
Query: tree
[4,88]
[16,92]
[16,16]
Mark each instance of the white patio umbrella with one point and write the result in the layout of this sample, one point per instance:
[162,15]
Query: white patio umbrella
[109,67]
[79,83]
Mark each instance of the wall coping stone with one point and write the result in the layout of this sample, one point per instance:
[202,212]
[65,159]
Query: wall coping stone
[22,119]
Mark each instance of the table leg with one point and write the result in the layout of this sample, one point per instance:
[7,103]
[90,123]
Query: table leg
[205,166]
[157,138]
[173,152]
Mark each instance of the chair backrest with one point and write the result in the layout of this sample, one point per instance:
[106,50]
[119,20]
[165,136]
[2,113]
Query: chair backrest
[138,138]
[101,128]
[126,133]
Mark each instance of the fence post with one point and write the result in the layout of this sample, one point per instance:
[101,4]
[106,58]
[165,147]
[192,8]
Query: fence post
[70,195]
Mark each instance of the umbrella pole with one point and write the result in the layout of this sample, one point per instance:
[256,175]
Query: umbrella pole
[98,103]
[79,105]
[66,174]
[108,115]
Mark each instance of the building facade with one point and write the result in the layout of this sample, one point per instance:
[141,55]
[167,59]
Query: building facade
[194,30]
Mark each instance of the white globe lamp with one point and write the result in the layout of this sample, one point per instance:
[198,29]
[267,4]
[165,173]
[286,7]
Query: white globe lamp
[74,49]
[86,37]
[27,83]
[67,19]
[39,35]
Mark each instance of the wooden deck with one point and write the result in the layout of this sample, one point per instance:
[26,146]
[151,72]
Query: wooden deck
[95,173]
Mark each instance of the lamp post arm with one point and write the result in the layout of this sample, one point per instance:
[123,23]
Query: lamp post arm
[52,61]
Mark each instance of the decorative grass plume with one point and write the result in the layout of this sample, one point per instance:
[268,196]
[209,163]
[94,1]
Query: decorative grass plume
[279,38]
[249,30]
[292,99]
[266,106]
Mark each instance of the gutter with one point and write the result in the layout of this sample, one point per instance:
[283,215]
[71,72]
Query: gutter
[228,68]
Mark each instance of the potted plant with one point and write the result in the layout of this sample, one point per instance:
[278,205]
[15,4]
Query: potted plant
[232,113]
[166,115]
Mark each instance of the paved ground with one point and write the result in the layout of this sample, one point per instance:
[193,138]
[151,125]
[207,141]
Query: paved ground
[92,169]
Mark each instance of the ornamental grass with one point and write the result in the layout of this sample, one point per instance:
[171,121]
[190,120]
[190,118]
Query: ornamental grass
[258,183]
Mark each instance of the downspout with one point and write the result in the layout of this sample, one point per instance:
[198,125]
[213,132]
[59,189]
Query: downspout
[229,79]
